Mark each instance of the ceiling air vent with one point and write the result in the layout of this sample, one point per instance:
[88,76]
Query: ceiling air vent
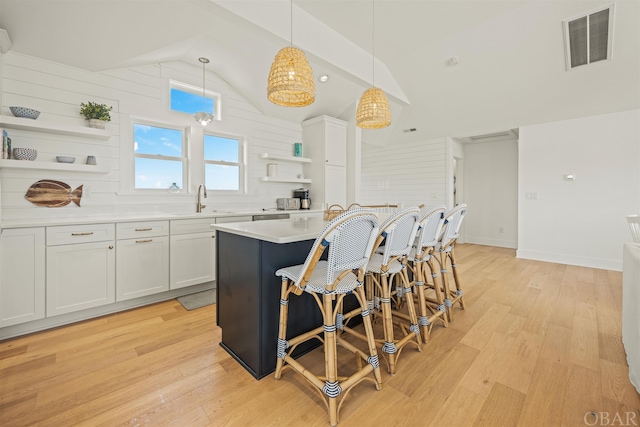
[490,136]
[589,37]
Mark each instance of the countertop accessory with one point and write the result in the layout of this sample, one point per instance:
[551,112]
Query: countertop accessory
[24,153]
[53,194]
[91,160]
[27,113]
[292,203]
[335,210]
[65,159]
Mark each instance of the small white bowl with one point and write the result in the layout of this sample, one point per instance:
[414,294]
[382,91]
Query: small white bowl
[65,159]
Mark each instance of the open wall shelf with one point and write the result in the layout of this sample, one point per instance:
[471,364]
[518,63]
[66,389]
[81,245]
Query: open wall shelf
[21,123]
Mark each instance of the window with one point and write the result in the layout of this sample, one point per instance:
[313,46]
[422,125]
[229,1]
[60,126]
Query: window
[159,156]
[188,99]
[222,163]
[588,37]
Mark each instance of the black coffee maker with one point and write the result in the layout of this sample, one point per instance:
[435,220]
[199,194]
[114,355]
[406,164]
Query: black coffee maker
[303,195]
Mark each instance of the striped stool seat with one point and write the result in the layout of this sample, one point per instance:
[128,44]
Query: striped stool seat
[317,281]
[349,240]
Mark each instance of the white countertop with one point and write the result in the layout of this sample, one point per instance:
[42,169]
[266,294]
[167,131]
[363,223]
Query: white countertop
[277,231]
[133,217]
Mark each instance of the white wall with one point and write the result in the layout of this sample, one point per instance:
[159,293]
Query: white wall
[411,174]
[491,191]
[57,91]
[580,222]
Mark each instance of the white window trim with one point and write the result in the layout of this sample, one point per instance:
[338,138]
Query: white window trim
[242,162]
[567,47]
[128,156]
[197,90]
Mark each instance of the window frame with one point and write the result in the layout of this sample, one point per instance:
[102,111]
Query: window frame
[242,179]
[184,159]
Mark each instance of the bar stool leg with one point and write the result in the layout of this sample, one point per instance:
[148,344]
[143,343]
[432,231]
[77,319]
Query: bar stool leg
[437,288]
[282,329]
[411,308]
[423,320]
[331,388]
[389,346]
[458,292]
[368,330]
[445,285]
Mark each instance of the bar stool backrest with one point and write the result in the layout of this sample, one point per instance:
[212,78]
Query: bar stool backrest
[399,232]
[350,238]
[451,231]
[431,223]
[634,225]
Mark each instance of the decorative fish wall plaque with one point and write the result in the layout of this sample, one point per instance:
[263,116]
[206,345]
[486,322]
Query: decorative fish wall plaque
[53,194]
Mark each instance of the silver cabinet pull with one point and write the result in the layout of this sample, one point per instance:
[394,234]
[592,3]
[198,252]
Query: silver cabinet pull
[86,233]
[144,229]
[144,241]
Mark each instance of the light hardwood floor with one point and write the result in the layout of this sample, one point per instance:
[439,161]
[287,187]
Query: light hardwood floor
[538,345]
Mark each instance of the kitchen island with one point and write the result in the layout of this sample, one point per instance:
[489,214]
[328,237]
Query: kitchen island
[248,291]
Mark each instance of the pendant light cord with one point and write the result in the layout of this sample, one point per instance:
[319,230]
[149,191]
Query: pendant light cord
[373,42]
[291,18]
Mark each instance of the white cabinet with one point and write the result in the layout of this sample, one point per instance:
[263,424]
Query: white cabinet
[193,252]
[142,262]
[80,270]
[193,259]
[22,285]
[325,142]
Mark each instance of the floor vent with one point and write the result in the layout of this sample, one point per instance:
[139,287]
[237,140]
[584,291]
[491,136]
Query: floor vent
[589,37]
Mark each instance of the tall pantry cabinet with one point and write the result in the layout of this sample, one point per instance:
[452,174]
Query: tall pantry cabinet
[325,142]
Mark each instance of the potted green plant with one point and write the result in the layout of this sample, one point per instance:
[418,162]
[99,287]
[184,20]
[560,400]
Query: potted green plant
[96,114]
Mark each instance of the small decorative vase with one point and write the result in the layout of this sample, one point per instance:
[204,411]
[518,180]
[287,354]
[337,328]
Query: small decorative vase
[96,123]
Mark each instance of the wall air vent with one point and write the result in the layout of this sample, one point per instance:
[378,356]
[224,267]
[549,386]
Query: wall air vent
[589,37]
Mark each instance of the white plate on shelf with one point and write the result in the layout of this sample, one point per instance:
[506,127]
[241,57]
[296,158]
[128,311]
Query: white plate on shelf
[65,159]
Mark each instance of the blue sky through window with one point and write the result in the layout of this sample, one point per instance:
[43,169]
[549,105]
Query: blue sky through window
[157,174]
[156,140]
[191,103]
[221,149]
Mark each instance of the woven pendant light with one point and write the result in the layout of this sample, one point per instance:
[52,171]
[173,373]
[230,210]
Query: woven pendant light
[290,81]
[373,110]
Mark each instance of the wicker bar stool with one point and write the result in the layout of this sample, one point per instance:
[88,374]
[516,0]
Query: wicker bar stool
[350,238]
[388,262]
[445,250]
[423,265]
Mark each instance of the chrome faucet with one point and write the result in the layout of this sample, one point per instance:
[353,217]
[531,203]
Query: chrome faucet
[199,205]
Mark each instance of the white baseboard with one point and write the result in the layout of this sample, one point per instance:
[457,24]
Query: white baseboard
[501,243]
[604,264]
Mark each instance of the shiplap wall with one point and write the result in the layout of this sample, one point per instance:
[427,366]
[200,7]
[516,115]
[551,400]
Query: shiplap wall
[411,174]
[140,92]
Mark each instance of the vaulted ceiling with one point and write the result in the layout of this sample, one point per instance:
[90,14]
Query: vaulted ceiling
[510,54]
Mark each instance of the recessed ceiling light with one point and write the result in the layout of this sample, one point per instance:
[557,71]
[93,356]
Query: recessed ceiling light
[323,78]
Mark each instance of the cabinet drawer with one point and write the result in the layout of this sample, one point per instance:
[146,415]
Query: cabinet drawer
[86,233]
[189,226]
[134,230]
